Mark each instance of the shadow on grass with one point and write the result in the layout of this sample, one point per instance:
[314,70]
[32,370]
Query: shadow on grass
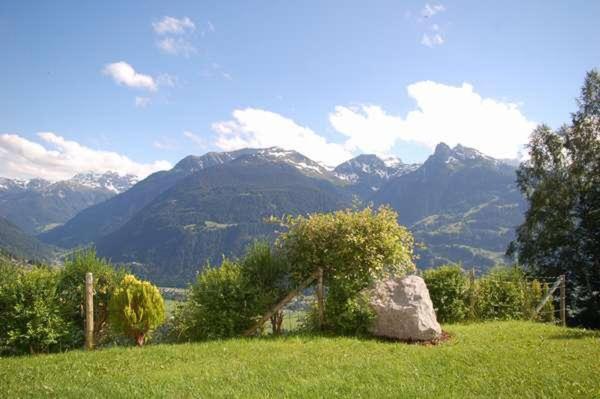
[576,334]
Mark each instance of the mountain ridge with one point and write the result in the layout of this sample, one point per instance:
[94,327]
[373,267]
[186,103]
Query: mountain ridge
[37,205]
[461,204]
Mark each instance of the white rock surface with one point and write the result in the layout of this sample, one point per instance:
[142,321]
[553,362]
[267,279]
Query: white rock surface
[404,310]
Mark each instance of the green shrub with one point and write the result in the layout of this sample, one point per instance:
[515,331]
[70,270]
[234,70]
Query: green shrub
[136,308]
[219,305]
[31,320]
[449,290]
[347,313]
[502,294]
[71,288]
[265,275]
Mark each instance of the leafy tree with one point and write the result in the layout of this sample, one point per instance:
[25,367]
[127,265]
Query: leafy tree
[561,181]
[353,248]
[30,313]
[71,288]
[449,290]
[136,308]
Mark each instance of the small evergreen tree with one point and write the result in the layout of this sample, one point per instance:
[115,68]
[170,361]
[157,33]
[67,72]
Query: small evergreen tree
[136,308]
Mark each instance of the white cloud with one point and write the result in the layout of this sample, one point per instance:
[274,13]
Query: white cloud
[124,74]
[452,114]
[59,159]
[432,40]
[368,128]
[259,128]
[142,102]
[195,138]
[431,10]
[443,113]
[171,25]
[176,46]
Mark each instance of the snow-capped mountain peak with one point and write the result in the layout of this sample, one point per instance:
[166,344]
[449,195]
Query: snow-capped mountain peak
[110,181]
[371,171]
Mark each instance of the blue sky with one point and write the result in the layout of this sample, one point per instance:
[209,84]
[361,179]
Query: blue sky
[118,85]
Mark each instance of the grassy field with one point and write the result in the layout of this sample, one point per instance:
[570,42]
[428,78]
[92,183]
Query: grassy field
[500,359]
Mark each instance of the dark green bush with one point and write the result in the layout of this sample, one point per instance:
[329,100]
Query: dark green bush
[266,277]
[31,319]
[449,290]
[219,305]
[71,288]
[503,294]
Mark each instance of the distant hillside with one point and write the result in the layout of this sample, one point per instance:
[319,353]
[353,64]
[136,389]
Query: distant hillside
[15,242]
[38,205]
[213,212]
[106,217]
[462,204]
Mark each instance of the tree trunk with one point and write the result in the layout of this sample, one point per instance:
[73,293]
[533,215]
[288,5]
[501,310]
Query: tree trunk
[276,322]
[139,339]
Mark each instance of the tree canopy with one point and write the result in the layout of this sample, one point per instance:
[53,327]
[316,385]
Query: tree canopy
[561,182]
[353,248]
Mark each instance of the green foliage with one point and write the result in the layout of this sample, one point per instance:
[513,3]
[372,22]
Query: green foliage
[348,313]
[136,308]
[266,277]
[353,248]
[71,288]
[449,290]
[502,294]
[561,180]
[219,305]
[30,311]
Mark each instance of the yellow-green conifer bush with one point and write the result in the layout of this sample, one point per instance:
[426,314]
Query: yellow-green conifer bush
[136,308]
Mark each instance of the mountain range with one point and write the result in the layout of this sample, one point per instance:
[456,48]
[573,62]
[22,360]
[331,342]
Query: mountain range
[461,205]
[38,205]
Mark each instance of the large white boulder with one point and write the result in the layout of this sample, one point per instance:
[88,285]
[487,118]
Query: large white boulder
[404,310]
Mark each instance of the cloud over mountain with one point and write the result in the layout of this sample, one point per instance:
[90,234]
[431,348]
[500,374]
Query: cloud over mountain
[59,158]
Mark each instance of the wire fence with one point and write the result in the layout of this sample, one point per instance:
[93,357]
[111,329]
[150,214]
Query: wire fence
[294,316]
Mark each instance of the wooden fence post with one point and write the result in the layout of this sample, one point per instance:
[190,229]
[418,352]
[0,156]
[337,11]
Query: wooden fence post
[472,294]
[89,311]
[563,300]
[320,296]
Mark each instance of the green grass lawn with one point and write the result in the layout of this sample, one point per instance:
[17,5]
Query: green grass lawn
[500,359]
